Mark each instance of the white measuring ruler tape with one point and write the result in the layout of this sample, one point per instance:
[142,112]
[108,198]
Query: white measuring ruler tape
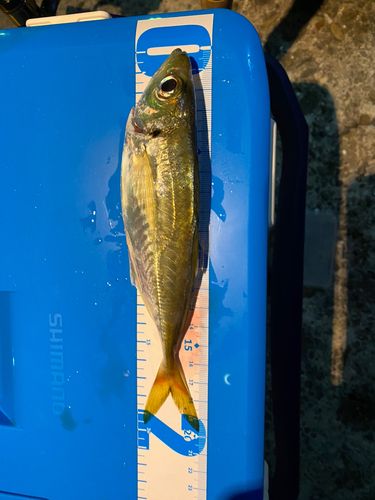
[172,457]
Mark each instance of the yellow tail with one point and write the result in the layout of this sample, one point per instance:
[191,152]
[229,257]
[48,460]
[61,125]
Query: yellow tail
[171,381]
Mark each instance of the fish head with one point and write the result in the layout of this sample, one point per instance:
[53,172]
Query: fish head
[167,99]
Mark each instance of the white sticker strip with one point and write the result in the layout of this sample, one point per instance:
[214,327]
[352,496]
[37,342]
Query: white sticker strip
[165,51]
[172,458]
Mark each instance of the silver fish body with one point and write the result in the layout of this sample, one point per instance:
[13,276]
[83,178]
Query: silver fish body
[160,206]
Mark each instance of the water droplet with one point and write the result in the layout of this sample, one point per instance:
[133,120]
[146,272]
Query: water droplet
[89,222]
[127,373]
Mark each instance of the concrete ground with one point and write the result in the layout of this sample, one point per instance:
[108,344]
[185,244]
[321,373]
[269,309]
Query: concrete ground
[327,48]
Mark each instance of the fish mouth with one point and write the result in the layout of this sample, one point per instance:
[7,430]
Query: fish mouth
[178,59]
[178,52]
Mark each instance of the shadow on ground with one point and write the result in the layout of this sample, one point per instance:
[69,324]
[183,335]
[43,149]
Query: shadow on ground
[318,475]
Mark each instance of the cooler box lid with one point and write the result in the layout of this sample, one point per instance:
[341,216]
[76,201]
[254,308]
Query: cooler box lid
[71,349]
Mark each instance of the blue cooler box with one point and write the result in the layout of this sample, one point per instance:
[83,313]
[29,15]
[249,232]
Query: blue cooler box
[68,330]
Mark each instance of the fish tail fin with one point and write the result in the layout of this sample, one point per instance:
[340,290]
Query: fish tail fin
[182,397]
[158,394]
[171,382]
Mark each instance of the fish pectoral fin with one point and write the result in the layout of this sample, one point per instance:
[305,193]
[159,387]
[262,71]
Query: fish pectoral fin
[158,394]
[138,205]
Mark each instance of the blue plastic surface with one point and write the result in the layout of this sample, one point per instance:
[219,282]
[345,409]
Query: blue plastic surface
[68,416]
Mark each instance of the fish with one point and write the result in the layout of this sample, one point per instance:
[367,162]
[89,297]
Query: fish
[160,210]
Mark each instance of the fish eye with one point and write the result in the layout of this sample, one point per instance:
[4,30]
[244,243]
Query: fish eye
[167,87]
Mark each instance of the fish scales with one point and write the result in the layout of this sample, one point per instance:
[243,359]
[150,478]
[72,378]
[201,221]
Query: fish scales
[159,247]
